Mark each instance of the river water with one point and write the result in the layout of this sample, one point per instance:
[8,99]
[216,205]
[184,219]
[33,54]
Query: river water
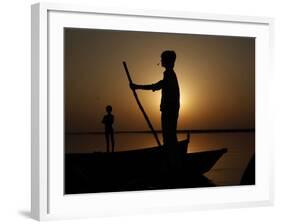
[226,172]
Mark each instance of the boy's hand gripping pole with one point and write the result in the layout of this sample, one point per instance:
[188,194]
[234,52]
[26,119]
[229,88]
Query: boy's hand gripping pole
[140,106]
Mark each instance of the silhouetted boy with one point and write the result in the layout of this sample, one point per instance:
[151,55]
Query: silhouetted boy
[170,104]
[108,120]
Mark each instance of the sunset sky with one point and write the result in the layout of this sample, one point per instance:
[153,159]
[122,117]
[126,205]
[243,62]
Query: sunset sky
[216,75]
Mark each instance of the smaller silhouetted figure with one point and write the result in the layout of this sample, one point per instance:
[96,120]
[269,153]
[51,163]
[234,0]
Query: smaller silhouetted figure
[108,120]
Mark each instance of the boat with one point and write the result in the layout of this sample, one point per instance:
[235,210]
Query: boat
[138,169]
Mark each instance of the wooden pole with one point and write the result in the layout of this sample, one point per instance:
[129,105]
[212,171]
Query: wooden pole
[140,106]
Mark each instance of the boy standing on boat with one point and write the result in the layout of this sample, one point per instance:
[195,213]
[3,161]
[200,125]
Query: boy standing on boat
[108,120]
[170,104]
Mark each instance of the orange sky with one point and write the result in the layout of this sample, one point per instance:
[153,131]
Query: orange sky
[216,75]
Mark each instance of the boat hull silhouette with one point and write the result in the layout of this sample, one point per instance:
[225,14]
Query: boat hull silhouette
[140,169]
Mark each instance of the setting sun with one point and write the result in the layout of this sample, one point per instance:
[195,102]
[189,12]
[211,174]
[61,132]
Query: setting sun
[214,75]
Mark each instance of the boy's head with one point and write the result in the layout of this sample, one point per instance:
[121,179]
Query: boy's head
[108,109]
[168,59]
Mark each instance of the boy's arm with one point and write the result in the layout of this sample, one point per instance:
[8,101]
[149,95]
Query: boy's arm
[154,87]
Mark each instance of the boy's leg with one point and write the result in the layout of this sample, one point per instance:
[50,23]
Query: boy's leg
[112,141]
[107,142]
[169,129]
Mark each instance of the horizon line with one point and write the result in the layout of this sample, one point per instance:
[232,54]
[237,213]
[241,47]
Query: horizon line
[160,131]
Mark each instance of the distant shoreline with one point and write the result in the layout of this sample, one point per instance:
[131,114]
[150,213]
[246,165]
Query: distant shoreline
[194,131]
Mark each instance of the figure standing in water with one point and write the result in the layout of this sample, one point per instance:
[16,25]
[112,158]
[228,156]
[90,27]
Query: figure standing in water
[169,107]
[108,120]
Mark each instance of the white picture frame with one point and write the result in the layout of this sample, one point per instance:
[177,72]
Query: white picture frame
[48,201]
